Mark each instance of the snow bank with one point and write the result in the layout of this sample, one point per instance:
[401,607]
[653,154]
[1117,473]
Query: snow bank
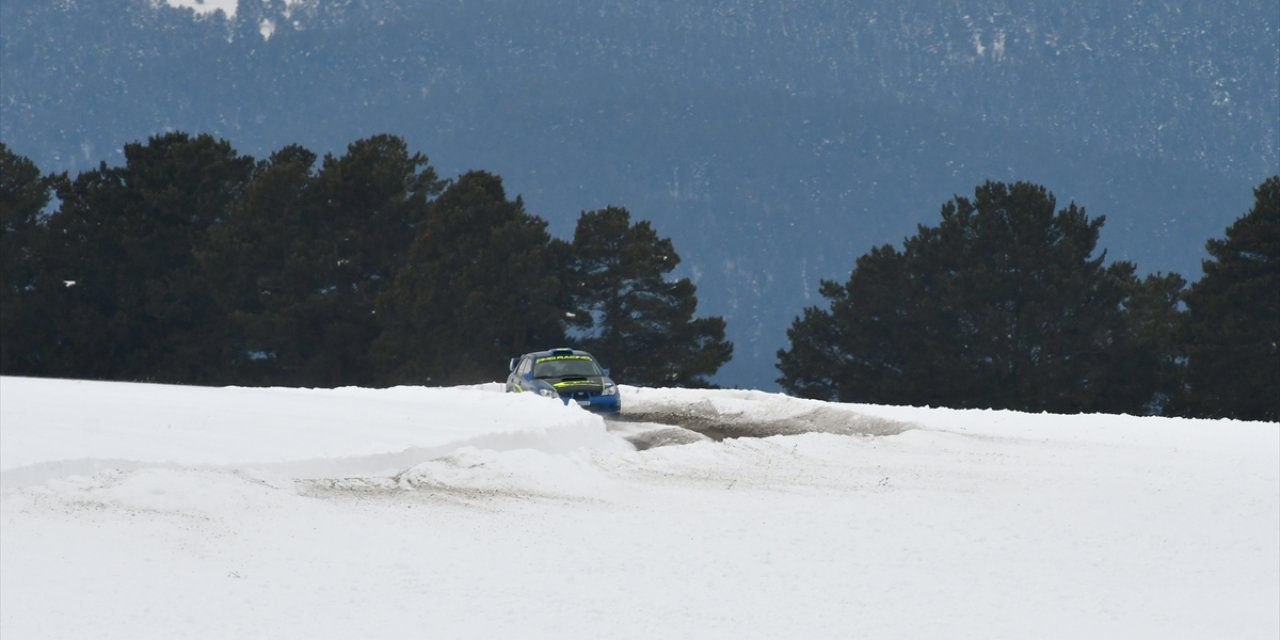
[54,428]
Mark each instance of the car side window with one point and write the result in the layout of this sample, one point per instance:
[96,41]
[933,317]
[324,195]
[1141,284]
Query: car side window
[525,366]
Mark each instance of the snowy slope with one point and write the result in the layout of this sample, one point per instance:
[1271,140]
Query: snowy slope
[150,511]
[63,427]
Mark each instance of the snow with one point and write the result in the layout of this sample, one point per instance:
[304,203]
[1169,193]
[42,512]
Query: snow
[133,510]
[227,7]
[56,428]
[203,7]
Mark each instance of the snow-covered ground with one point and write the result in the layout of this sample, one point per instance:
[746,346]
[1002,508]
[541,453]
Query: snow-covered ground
[147,511]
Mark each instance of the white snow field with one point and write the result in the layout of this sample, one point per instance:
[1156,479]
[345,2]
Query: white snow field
[149,511]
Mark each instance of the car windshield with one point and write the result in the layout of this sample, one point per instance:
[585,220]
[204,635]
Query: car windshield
[565,366]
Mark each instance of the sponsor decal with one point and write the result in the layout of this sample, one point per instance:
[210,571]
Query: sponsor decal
[554,358]
[575,383]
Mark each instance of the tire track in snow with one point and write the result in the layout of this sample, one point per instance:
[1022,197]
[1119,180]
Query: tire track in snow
[663,426]
[736,438]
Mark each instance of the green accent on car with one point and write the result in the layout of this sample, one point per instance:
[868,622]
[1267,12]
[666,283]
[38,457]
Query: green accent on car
[575,383]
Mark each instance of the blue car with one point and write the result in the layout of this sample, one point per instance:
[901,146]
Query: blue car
[567,374]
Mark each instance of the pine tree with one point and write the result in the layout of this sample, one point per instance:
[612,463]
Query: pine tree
[1146,367]
[24,194]
[307,252]
[260,270]
[847,352]
[633,318]
[1001,305]
[1233,318]
[124,240]
[481,285]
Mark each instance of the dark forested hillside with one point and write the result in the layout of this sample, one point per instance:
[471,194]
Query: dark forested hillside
[773,141]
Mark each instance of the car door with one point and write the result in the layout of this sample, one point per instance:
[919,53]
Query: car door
[519,379]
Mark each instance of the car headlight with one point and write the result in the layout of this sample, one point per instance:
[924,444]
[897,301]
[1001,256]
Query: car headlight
[611,390]
[550,393]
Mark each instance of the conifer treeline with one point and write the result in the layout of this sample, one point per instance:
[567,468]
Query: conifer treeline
[1006,304]
[195,264]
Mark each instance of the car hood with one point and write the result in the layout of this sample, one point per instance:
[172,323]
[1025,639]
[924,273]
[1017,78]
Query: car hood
[570,384]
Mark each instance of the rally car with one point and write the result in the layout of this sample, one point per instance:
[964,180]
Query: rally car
[567,374]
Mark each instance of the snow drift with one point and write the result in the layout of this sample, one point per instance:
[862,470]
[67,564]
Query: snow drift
[133,510]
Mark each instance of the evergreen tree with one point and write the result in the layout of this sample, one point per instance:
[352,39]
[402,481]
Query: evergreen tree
[24,194]
[635,320]
[259,271]
[481,285]
[1146,366]
[307,253]
[1233,318]
[1001,305]
[849,351]
[135,304]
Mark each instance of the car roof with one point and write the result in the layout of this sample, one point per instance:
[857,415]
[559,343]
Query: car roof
[564,351]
